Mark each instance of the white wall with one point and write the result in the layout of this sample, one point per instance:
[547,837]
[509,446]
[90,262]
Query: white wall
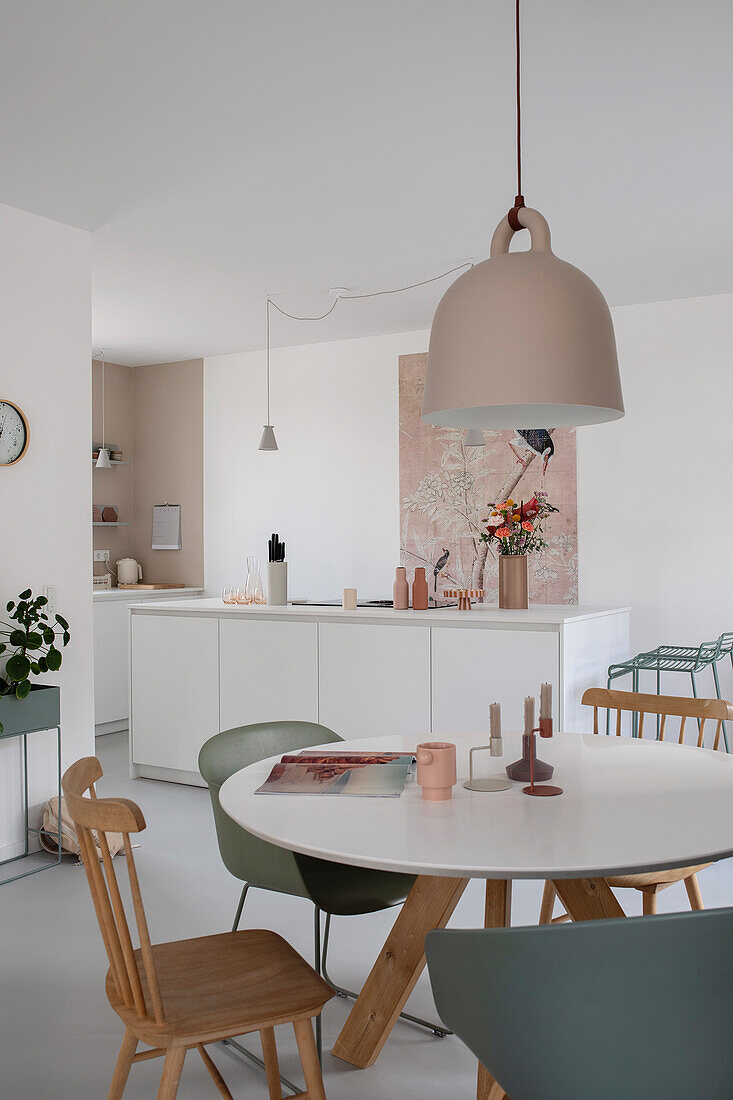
[655,514]
[331,491]
[45,500]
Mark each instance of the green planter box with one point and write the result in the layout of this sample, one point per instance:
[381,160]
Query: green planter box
[41,710]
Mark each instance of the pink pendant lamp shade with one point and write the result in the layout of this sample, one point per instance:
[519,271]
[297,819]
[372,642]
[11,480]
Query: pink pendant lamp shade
[522,339]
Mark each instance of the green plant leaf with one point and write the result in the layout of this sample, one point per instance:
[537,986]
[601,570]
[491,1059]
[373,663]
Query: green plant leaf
[42,664]
[62,622]
[25,595]
[3,647]
[35,668]
[18,638]
[18,667]
[41,601]
[67,637]
[34,641]
[9,606]
[22,689]
[53,660]
[48,636]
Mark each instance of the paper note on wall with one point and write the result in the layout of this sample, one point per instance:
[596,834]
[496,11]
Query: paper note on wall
[166,527]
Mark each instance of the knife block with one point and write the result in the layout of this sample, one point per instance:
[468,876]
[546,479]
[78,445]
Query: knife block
[277,583]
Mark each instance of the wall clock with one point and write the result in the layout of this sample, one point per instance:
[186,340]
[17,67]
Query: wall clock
[14,433]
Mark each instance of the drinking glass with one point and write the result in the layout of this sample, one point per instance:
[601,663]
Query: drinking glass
[228,594]
[240,595]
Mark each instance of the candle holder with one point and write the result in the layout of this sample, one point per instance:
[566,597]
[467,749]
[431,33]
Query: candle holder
[546,790]
[521,771]
[490,783]
[464,596]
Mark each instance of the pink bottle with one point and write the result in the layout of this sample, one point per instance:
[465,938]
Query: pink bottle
[420,590]
[401,590]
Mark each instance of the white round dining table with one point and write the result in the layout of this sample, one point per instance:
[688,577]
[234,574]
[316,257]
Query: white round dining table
[628,805]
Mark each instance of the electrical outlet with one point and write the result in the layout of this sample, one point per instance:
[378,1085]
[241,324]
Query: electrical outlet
[101,555]
[50,591]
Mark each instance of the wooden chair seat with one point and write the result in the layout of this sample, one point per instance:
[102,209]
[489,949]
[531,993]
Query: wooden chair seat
[214,987]
[657,880]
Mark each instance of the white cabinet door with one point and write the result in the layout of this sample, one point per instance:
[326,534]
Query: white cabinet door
[175,689]
[111,662]
[268,672]
[374,680]
[473,668]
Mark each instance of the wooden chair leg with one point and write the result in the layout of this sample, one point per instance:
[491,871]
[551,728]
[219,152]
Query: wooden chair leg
[548,903]
[172,1068]
[122,1066]
[693,892]
[272,1066]
[216,1077]
[648,903]
[309,1059]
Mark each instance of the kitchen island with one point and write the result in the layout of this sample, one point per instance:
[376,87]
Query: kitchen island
[202,666]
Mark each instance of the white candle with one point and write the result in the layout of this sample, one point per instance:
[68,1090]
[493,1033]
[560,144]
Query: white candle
[529,714]
[546,701]
[495,720]
[349,599]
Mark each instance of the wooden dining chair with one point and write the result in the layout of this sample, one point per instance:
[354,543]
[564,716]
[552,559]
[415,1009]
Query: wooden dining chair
[702,711]
[176,996]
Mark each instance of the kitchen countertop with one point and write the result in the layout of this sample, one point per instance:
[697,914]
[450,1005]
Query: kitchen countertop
[103,594]
[541,617]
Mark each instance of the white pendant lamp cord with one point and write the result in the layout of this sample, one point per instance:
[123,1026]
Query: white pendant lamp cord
[268,360]
[519,198]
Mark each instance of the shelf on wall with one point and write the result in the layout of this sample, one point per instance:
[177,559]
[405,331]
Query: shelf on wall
[102,523]
[94,464]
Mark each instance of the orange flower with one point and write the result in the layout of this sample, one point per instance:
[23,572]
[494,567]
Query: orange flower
[527,526]
[503,533]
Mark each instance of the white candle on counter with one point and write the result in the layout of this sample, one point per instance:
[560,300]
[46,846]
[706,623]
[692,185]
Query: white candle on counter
[546,701]
[496,745]
[529,714]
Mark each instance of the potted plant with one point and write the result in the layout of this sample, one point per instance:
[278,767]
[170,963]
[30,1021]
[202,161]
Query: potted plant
[30,644]
[517,531]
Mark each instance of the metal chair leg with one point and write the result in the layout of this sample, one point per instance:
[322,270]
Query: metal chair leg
[317,966]
[240,907]
[694,695]
[438,1030]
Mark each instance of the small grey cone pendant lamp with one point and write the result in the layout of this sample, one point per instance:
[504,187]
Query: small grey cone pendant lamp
[522,339]
[267,440]
[103,459]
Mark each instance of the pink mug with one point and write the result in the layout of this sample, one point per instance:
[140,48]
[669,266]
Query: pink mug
[436,769]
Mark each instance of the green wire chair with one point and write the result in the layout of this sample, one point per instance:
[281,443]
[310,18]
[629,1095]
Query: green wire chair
[637,1008]
[335,889]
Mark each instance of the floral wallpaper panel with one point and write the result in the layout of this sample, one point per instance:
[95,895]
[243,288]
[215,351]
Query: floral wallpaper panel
[447,489]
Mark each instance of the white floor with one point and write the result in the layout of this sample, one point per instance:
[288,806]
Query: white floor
[58,1036]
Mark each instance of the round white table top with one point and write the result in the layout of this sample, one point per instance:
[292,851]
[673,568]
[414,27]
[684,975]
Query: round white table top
[628,806]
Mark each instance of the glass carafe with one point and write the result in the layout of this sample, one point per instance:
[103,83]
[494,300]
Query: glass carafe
[254,591]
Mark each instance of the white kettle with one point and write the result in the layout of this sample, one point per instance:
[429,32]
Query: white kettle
[128,571]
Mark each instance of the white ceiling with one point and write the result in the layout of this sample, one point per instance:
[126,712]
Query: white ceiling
[221,150]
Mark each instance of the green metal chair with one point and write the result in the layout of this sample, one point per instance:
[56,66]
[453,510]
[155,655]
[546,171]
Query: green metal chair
[335,889]
[636,1008]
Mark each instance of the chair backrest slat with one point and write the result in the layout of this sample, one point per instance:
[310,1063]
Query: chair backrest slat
[97,816]
[682,707]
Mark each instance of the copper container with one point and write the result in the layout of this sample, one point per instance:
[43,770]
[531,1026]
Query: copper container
[513,592]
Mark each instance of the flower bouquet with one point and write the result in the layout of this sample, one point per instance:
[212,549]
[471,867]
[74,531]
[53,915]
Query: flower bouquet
[517,531]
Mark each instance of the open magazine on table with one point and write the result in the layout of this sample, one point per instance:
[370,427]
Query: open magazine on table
[337,772]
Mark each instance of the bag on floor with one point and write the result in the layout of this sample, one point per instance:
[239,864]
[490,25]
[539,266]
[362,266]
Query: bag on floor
[49,834]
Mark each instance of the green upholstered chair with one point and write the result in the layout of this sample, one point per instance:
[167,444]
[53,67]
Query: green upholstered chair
[336,889]
[634,1008]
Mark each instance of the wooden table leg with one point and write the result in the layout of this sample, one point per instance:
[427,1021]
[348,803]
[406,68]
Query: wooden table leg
[429,905]
[588,898]
[497,914]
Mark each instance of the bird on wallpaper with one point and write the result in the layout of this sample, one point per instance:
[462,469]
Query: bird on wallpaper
[537,440]
[440,566]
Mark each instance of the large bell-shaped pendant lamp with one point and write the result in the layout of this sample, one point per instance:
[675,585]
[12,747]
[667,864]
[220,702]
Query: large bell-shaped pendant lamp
[523,339]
